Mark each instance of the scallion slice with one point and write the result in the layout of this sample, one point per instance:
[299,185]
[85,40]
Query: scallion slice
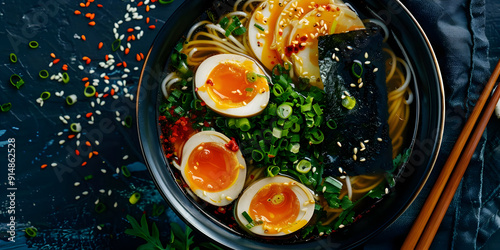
[65,77]
[33,44]
[13,58]
[89,91]
[76,127]
[284,110]
[45,95]
[71,99]
[304,166]
[16,80]
[116,44]
[6,107]
[43,74]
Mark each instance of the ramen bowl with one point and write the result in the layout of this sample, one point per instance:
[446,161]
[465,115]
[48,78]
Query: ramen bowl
[423,140]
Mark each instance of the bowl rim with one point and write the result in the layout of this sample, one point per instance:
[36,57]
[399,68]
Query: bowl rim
[183,210]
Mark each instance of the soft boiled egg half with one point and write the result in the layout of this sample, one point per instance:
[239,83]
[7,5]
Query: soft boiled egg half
[232,85]
[275,206]
[288,32]
[213,168]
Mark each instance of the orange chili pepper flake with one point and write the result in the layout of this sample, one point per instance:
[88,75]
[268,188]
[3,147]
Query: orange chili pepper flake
[130,30]
[140,4]
[56,61]
[84,163]
[92,23]
[77,152]
[52,55]
[77,12]
[82,5]
[95,152]
[133,37]
[106,77]
[129,38]
[152,27]
[100,45]
[124,64]
[112,91]
[96,94]
[92,16]
[87,84]
[90,155]
[88,143]
[88,3]
[65,67]
[142,55]
[147,19]
[106,57]
[99,5]
[105,95]
[85,79]
[147,8]
[71,136]
[88,15]
[127,50]
[118,64]
[138,57]
[43,166]
[84,38]
[85,58]
[89,114]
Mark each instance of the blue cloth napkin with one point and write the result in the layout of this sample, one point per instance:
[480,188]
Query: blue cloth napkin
[457,31]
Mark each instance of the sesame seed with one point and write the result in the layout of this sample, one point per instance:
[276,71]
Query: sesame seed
[103,170]
[353,85]
[354,157]
[341,170]
[386,190]
[102,191]
[77,184]
[368,62]
[85,192]
[324,189]
[99,227]
[349,47]
[379,139]
[337,49]
[77,197]
[341,226]
[340,144]
[110,192]
[366,141]
[366,54]
[355,150]
[117,170]
[362,159]
[125,157]
[375,70]
[360,85]
[116,204]
[362,144]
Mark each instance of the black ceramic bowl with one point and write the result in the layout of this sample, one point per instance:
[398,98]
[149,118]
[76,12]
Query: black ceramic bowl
[425,138]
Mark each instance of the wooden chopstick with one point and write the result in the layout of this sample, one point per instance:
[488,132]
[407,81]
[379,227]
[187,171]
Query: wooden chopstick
[452,185]
[418,226]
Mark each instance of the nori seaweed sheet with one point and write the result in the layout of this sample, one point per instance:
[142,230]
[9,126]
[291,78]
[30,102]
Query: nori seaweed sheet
[368,119]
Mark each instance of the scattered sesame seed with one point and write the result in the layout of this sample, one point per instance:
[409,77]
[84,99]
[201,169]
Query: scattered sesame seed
[375,70]
[110,192]
[102,191]
[85,192]
[116,204]
[341,226]
[340,144]
[366,54]
[354,157]
[77,184]
[341,170]
[77,197]
[379,139]
[349,47]
[362,159]
[368,62]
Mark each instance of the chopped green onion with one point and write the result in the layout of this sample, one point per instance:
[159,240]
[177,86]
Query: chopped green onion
[116,44]
[158,210]
[196,104]
[304,166]
[249,89]
[33,44]
[334,26]
[357,69]
[334,182]
[247,217]
[278,90]
[349,102]
[257,155]
[16,80]
[100,207]
[294,148]
[13,58]
[89,91]
[128,121]
[251,76]
[331,124]
[71,99]
[65,77]
[284,110]
[6,107]
[31,231]
[223,22]
[259,27]
[88,177]
[243,124]
[306,107]
[273,171]
[45,95]
[277,132]
[43,74]
[125,171]
[165,1]
[75,127]
[134,198]
[317,109]
[316,137]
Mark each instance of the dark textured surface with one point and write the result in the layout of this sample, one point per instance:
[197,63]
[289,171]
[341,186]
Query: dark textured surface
[46,197]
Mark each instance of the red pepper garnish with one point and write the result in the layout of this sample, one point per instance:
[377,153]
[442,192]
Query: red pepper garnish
[231,145]
[210,82]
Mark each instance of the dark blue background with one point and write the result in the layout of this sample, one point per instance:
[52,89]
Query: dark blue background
[465,36]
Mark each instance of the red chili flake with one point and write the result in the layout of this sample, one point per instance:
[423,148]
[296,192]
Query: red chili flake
[106,77]
[142,55]
[140,4]
[152,27]
[92,23]
[71,136]
[65,67]
[88,143]
[147,8]
[100,45]
[231,145]
[203,103]
[99,5]
[56,61]
[82,5]
[118,64]
[130,30]
[127,50]
[133,37]
[129,38]
[43,166]
[112,91]
[89,114]
[77,12]
[210,82]
[77,152]
[52,55]
[138,57]
[105,95]
[96,94]
[90,155]
[221,210]
[88,3]
[252,176]
[106,57]
[85,79]
[92,16]
[84,163]
[124,64]
[147,19]
[87,84]
[95,152]
[271,156]
[88,61]
[88,15]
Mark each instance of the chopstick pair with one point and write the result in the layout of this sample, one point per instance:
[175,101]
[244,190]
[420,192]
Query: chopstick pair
[423,230]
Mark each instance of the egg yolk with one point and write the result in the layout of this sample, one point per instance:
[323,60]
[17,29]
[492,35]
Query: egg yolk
[212,167]
[276,205]
[233,85]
